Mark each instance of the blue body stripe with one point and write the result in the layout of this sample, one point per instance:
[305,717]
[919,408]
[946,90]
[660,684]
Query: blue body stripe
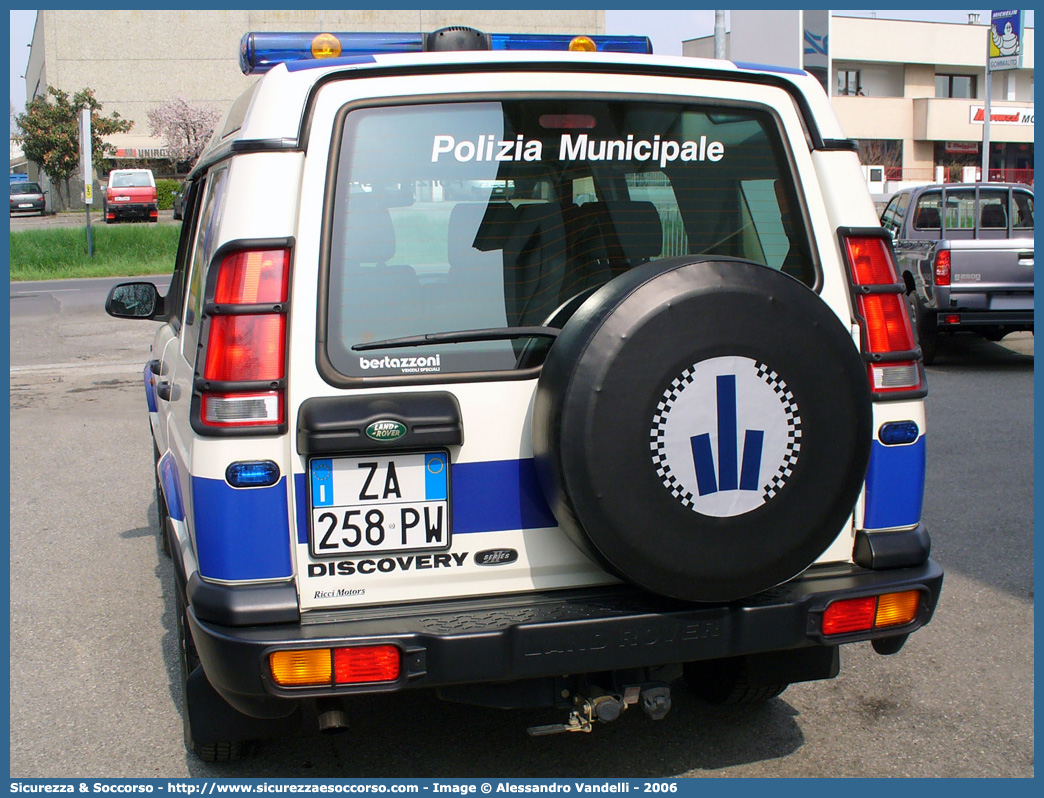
[486,497]
[150,389]
[728,441]
[895,485]
[241,533]
[501,494]
[168,474]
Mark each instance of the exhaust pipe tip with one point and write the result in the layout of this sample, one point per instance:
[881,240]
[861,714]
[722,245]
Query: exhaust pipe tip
[333,721]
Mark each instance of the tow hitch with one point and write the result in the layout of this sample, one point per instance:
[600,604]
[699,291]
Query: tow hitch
[655,699]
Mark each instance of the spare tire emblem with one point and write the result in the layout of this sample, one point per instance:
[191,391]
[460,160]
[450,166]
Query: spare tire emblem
[726,436]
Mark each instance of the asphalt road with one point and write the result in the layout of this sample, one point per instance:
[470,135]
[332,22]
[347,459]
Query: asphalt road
[94,675]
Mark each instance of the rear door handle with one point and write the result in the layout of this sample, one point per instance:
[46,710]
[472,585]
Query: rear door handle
[1025,259]
[163,390]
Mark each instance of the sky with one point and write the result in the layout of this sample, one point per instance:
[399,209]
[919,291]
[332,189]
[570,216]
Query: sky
[666,29]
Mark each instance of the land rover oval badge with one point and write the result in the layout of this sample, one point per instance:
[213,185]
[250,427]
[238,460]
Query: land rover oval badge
[385,430]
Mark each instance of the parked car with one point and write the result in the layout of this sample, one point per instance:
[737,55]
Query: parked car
[27,198]
[966,258]
[179,200]
[639,411]
[130,194]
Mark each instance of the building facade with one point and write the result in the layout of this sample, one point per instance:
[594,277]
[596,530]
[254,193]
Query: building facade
[135,60]
[913,94]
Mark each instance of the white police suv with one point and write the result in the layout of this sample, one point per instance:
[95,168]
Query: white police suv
[533,370]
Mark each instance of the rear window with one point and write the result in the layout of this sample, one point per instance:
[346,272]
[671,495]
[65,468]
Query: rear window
[25,188]
[507,214]
[130,180]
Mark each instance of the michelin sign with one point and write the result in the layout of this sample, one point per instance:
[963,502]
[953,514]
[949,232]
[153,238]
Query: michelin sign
[1005,41]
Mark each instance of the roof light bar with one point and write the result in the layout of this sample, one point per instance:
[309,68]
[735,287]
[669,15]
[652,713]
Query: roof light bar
[639,45]
[259,52]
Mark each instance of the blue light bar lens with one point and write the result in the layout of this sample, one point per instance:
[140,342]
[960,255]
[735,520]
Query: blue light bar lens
[555,41]
[896,433]
[259,52]
[256,474]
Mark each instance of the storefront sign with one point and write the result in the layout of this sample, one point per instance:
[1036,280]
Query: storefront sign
[962,147]
[1019,115]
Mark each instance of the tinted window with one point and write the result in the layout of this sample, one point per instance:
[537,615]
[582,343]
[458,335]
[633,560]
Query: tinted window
[25,188]
[468,216]
[131,180]
[928,215]
[1022,210]
[993,214]
[205,244]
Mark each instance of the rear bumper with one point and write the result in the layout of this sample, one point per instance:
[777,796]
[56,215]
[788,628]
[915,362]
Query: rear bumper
[131,210]
[34,207]
[958,318]
[550,634]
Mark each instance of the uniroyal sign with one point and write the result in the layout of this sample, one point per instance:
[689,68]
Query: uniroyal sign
[1002,116]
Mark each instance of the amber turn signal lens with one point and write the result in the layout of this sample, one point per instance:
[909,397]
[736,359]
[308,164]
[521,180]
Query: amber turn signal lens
[301,668]
[895,609]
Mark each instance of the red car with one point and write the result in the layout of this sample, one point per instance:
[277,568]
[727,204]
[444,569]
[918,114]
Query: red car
[131,194]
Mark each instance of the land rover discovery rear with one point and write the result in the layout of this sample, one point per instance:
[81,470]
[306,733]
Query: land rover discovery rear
[554,378]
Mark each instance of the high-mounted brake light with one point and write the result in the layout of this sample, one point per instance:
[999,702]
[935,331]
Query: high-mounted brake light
[259,52]
[244,361]
[888,340]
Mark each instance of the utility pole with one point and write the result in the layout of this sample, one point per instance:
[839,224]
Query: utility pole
[719,34]
[86,165]
[986,126]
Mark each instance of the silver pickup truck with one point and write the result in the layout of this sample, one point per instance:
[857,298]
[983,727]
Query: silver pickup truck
[965,254]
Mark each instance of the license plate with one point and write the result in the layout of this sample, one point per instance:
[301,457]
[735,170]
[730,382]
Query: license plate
[121,199]
[379,504]
[25,204]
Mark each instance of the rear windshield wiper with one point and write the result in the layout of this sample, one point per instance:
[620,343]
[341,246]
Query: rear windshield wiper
[460,336]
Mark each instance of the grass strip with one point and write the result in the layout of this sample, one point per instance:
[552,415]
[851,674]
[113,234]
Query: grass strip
[60,253]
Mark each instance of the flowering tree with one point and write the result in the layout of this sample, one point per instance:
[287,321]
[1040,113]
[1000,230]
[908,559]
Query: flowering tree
[184,128]
[49,132]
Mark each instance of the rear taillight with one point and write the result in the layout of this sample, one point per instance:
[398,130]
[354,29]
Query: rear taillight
[888,340]
[244,362]
[326,667]
[871,613]
[942,267]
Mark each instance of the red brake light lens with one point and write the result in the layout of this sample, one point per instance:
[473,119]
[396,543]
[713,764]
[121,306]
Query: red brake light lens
[366,664]
[883,315]
[887,323]
[850,615]
[870,260]
[245,348]
[942,267]
[254,277]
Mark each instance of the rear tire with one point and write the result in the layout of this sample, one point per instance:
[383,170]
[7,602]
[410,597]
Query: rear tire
[724,682]
[924,326]
[188,660]
[161,505]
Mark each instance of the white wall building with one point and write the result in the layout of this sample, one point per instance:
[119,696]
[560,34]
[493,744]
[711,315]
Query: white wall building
[912,93]
[134,60]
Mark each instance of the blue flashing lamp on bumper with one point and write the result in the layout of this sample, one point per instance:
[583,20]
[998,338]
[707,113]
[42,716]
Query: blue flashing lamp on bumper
[259,52]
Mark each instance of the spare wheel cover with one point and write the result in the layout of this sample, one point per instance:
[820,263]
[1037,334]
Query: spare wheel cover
[702,427]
